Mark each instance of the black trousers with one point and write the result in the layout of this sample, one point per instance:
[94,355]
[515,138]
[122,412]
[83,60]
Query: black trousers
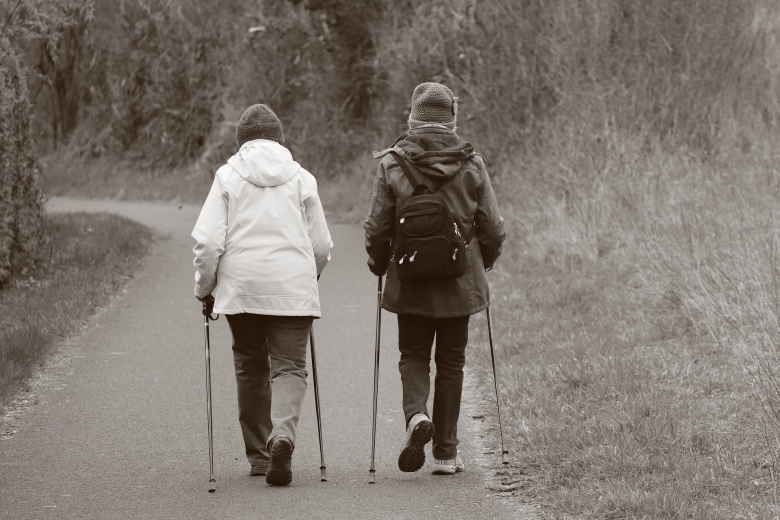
[415,340]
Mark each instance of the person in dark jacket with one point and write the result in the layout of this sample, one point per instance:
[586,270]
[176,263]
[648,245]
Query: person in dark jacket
[444,162]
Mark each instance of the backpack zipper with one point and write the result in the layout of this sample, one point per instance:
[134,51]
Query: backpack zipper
[411,258]
[455,254]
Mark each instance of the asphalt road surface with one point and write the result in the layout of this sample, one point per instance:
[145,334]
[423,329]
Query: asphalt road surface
[123,434]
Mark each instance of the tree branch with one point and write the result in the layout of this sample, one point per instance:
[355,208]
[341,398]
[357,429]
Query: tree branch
[2,31]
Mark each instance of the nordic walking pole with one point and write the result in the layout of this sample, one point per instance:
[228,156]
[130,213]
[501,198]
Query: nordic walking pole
[372,470]
[212,480]
[323,475]
[504,451]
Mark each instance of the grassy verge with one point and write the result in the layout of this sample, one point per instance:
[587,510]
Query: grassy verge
[89,256]
[105,177]
[628,390]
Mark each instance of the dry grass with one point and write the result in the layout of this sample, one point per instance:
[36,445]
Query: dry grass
[88,258]
[627,388]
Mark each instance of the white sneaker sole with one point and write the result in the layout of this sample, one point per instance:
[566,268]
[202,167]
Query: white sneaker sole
[439,469]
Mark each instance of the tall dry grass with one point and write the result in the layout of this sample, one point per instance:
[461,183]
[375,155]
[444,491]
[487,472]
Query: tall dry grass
[673,70]
[636,305]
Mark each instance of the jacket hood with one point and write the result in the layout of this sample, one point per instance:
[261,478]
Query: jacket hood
[437,153]
[264,163]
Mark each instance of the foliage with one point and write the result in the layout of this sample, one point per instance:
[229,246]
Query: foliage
[155,72]
[51,36]
[20,197]
[43,20]
[351,28]
[340,73]
[677,69]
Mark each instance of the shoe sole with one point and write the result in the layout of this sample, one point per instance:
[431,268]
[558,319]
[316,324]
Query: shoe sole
[412,456]
[279,471]
[448,471]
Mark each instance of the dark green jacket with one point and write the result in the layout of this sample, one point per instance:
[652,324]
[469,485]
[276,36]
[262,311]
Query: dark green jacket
[439,155]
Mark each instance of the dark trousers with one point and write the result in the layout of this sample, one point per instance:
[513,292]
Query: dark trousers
[415,340]
[269,354]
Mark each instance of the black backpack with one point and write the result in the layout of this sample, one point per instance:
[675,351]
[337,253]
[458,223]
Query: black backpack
[428,243]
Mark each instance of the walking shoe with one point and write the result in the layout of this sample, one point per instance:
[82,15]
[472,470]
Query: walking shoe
[449,466]
[418,434]
[280,470]
[258,470]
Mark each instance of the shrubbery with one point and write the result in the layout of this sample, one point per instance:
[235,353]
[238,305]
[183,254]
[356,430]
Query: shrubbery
[34,36]
[166,80]
[20,197]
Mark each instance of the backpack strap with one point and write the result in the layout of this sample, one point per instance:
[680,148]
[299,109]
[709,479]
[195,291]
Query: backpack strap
[405,168]
[414,184]
[408,173]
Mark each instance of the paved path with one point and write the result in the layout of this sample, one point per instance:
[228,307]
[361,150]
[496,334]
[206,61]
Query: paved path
[125,435]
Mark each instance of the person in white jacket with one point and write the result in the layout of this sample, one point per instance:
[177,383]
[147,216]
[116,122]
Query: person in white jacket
[262,242]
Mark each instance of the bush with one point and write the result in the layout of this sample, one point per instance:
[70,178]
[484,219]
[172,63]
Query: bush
[21,199]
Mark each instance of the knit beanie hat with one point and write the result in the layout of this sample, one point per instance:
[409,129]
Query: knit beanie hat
[433,103]
[259,122]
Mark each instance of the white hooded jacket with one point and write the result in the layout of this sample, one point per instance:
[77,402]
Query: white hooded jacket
[261,236]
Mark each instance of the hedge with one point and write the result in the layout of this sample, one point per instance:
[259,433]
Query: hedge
[21,199]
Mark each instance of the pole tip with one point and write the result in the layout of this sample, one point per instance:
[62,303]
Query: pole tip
[212,486]
[372,476]
[505,457]
[323,475]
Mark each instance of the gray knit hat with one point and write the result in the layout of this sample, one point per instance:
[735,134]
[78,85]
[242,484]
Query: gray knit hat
[259,122]
[433,103]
